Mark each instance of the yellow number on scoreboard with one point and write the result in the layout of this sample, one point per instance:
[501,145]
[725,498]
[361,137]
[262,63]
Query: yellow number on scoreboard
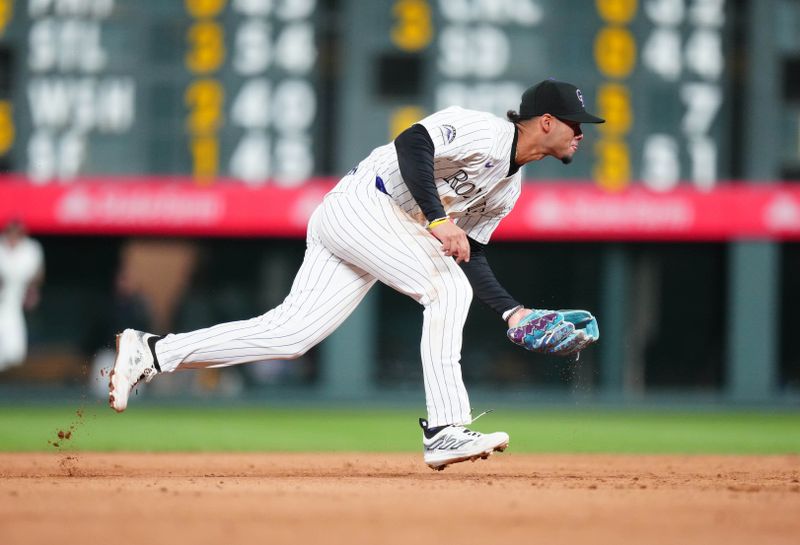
[6,127]
[206,47]
[413,30]
[402,118]
[204,8]
[615,52]
[205,99]
[6,12]
[613,168]
[205,158]
[618,12]
[614,105]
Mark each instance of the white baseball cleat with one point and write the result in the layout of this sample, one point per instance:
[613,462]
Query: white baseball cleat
[453,444]
[133,363]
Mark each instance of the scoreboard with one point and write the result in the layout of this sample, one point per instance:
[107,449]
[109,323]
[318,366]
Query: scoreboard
[279,91]
[207,88]
[654,69]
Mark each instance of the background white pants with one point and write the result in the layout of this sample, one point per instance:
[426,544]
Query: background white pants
[13,336]
[356,236]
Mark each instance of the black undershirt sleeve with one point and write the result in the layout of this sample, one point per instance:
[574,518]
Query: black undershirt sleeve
[484,284]
[415,159]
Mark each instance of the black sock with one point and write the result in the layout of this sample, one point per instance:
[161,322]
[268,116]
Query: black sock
[430,432]
[151,342]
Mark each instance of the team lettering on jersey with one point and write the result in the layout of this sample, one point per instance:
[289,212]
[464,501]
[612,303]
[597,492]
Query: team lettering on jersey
[459,182]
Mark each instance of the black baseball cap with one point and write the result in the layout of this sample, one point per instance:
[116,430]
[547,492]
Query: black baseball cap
[557,98]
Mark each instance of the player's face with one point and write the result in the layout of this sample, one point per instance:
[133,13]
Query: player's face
[13,234]
[567,135]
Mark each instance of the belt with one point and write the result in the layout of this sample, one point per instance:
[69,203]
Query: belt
[380,186]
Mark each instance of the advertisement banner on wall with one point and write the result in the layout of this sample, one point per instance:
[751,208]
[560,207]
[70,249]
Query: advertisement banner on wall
[553,211]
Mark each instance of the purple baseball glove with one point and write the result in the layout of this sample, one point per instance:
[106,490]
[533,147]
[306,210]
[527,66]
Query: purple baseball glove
[558,332]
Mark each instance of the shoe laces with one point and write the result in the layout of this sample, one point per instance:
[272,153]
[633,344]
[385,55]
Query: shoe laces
[473,433]
[483,413]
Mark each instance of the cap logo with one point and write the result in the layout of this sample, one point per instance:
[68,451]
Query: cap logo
[580,96]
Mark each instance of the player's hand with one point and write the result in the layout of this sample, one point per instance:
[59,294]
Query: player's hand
[454,240]
[31,299]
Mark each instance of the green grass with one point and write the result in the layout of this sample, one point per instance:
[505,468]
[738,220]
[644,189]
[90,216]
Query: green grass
[381,430]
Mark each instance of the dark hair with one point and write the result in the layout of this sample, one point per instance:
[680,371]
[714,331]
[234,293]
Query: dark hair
[513,116]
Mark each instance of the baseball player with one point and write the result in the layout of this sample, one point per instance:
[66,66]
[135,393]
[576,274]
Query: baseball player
[415,215]
[21,273]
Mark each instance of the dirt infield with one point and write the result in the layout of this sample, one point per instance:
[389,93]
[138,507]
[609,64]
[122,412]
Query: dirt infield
[395,499]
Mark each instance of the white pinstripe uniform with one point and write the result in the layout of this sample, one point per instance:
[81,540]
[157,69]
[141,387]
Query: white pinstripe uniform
[359,235]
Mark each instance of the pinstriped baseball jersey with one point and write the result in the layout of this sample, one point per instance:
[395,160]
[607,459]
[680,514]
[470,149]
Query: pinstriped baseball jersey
[357,236]
[369,228]
[360,235]
[472,158]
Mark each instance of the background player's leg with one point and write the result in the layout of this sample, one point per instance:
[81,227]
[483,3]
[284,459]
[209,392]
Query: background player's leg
[325,291]
[373,233]
[14,341]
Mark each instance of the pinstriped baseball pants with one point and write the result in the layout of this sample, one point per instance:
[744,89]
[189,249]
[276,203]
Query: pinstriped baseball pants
[354,238]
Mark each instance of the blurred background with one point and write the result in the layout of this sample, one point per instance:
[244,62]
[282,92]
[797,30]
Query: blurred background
[167,155]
